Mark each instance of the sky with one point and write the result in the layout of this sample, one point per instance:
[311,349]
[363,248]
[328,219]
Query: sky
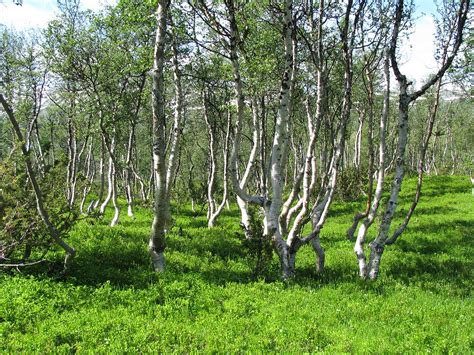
[37,13]
[417,60]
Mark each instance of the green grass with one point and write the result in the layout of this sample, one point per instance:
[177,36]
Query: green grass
[209,301]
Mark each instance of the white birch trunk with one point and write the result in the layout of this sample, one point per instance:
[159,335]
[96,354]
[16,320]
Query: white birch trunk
[244,215]
[358,140]
[212,160]
[115,219]
[279,148]
[110,173]
[72,159]
[224,201]
[161,219]
[90,173]
[128,171]
[101,175]
[363,228]
[177,122]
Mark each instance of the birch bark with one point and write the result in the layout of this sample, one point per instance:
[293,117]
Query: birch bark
[161,219]
[362,232]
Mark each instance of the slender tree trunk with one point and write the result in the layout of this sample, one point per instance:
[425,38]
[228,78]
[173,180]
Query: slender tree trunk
[370,170]
[128,170]
[115,219]
[211,205]
[72,157]
[421,162]
[101,174]
[110,178]
[177,122]
[161,219]
[225,153]
[90,173]
[244,215]
[361,235]
[358,140]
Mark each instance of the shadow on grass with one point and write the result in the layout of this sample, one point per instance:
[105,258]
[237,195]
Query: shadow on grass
[433,274]
[130,268]
[430,211]
[120,256]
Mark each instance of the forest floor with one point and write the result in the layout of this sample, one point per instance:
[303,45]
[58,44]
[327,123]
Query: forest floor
[209,299]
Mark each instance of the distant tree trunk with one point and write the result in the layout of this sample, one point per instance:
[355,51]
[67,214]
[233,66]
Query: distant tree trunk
[225,152]
[72,155]
[177,121]
[211,205]
[358,139]
[101,175]
[115,219]
[89,178]
[129,171]
[110,177]
[369,84]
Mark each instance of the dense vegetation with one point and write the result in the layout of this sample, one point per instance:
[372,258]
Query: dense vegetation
[210,299]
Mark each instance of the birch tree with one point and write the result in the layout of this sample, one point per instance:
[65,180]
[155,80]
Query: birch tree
[164,170]
[457,19]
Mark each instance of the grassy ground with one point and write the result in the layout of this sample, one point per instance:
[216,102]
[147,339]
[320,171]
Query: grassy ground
[208,299]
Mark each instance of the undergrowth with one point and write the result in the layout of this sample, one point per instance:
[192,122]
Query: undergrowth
[212,299]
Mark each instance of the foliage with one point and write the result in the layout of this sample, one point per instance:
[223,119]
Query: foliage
[22,231]
[258,245]
[352,182]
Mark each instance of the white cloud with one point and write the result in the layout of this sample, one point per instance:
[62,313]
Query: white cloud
[96,5]
[417,54]
[37,13]
[30,15]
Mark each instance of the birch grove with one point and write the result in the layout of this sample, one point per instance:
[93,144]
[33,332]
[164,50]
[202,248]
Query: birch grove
[285,107]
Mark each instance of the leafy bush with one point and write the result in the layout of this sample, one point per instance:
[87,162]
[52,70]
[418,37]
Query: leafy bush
[258,245]
[21,229]
[351,182]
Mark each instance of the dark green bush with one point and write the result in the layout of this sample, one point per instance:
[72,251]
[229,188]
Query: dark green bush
[351,182]
[258,245]
[22,232]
